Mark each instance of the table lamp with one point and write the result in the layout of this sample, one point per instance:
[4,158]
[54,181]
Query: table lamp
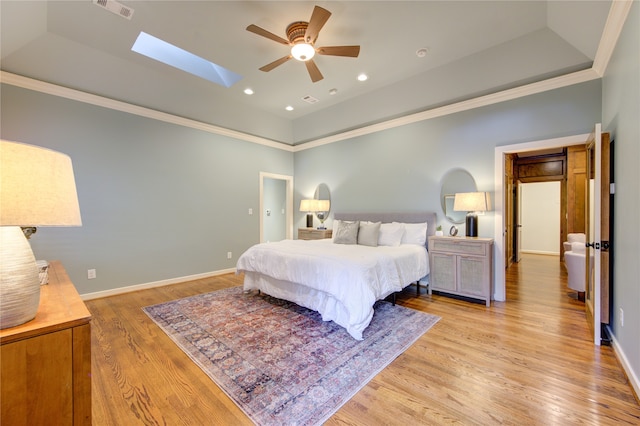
[308,206]
[37,188]
[472,203]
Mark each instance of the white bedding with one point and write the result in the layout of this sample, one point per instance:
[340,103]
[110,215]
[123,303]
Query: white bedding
[340,281]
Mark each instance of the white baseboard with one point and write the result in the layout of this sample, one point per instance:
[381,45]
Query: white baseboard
[129,289]
[631,375]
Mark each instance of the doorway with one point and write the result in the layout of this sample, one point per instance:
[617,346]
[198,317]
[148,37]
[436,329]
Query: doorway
[276,207]
[499,199]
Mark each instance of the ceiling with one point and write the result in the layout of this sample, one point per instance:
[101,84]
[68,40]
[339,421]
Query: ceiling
[473,48]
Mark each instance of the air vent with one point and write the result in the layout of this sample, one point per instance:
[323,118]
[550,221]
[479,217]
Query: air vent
[114,7]
[310,99]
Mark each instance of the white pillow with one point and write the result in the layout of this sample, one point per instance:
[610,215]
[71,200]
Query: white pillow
[390,234]
[415,233]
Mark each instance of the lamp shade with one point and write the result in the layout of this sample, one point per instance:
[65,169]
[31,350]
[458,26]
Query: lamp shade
[37,187]
[306,205]
[471,202]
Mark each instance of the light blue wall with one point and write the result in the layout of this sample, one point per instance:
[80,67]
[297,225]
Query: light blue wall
[621,118]
[158,201]
[401,169]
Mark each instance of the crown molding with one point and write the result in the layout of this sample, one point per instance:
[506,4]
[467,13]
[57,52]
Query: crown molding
[88,98]
[494,98]
[612,29]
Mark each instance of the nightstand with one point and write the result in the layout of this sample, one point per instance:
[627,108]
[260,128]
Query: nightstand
[461,266]
[314,234]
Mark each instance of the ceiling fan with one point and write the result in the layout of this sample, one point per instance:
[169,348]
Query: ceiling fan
[301,37]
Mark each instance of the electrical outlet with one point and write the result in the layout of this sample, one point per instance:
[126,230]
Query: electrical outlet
[250,211]
[91,274]
[621,317]
[229,255]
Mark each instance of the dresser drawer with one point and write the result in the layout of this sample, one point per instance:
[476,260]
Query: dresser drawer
[462,246]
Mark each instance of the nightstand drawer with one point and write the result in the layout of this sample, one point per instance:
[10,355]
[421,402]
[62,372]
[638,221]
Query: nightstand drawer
[314,234]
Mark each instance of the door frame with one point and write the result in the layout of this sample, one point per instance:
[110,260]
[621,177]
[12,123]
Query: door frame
[499,284]
[288,203]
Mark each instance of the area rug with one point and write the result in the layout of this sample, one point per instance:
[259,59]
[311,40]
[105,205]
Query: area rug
[279,362]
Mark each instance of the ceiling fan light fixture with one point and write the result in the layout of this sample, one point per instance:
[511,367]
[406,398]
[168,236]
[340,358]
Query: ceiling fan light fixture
[302,51]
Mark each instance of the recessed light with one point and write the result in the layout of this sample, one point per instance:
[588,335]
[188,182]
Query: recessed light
[248,91]
[421,53]
[289,108]
[363,77]
[333,91]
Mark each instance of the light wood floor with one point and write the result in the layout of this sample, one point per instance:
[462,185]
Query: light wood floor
[529,360]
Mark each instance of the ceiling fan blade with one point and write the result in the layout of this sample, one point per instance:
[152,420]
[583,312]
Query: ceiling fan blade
[275,63]
[350,51]
[314,72]
[264,33]
[318,18]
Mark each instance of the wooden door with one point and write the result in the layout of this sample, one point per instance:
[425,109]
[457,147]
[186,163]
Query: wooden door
[509,222]
[597,230]
[518,219]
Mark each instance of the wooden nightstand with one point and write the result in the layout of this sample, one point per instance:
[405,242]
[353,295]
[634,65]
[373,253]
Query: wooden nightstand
[461,266]
[314,234]
[46,362]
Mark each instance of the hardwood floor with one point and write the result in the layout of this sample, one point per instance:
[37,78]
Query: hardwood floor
[529,360]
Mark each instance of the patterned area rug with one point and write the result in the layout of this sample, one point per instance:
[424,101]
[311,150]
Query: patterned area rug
[279,362]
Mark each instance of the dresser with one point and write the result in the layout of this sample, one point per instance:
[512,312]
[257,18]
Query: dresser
[462,266]
[314,234]
[46,362]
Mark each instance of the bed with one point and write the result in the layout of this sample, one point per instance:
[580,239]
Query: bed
[342,281]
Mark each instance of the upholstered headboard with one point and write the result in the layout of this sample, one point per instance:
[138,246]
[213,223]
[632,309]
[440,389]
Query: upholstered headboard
[403,217]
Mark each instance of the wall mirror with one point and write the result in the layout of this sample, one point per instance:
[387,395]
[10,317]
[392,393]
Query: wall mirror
[322,193]
[455,180]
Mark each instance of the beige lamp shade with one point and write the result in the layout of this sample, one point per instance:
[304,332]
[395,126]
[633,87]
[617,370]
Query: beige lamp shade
[307,205]
[471,202]
[37,187]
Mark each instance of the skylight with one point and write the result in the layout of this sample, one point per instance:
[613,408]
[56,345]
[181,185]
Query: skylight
[176,57]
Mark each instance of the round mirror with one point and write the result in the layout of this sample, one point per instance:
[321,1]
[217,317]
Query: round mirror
[323,194]
[455,180]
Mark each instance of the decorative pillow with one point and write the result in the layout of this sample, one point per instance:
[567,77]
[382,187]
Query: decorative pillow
[390,234]
[368,234]
[346,233]
[415,233]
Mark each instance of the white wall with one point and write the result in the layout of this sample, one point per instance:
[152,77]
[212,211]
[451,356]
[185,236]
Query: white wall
[540,230]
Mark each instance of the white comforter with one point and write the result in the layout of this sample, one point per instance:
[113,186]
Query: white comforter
[340,281]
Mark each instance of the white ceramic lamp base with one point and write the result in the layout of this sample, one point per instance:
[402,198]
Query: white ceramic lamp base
[19,280]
